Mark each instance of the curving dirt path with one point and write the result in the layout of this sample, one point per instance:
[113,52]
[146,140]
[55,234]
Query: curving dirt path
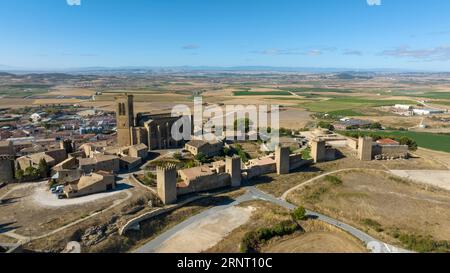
[291,190]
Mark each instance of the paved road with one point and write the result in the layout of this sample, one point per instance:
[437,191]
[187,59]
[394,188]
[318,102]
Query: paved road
[373,244]
[153,245]
[253,193]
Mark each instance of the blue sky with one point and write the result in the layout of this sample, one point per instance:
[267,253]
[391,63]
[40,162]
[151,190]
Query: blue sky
[409,34]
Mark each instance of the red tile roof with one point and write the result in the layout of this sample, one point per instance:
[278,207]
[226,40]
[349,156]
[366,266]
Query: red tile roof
[387,141]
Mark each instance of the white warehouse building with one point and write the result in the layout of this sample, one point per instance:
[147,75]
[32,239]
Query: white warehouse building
[424,112]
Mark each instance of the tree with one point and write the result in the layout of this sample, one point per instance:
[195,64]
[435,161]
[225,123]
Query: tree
[412,144]
[325,125]
[43,168]
[189,164]
[32,172]
[178,156]
[243,122]
[285,132]
[299,214]
[201,157]
[227,151]
[241,153]
[19,174]
[376,126]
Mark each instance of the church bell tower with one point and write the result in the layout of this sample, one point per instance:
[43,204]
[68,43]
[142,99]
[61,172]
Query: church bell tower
[125,119]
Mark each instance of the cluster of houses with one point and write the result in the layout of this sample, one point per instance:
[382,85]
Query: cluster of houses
[89,169]
[93,168]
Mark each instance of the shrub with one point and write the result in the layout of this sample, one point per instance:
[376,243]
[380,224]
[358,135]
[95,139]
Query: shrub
[200,157]
[189,164]
[149,179]
[299,214]
[285,132]
[178,156]
[373,224]
[334,180]
[253,239]
[238,150]
[306,153]
[423,244]
[412,144]
[249,242]
[325,125]
[316,194]
[19,174]
[227,151]
[32,173]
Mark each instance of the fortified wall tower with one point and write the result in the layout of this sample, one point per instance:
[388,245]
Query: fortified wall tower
[167,183]
[6,168]
[282,158]
[318,150]
[6,162]
[365,147]
[233,168]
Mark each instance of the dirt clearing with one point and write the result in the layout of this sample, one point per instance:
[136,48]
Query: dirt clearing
[207,232]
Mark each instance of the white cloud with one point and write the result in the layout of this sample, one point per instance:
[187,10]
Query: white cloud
[317,51]
[314,52]
[374,2]
[353,52]
[73,2]
[441,53]
[190,47]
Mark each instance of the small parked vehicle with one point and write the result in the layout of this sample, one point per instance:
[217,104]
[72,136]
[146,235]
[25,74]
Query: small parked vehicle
[57,190]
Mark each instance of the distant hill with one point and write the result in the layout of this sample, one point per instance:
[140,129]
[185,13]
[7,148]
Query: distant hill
[6,74]
[350,76]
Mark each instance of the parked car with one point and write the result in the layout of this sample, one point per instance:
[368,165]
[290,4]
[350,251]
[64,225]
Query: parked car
[57,190]
[61,196]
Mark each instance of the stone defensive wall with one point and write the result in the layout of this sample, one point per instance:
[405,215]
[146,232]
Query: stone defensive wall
[206,183]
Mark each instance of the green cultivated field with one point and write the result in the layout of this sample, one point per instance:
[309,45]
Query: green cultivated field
[262,93]
[437,142]
[349,103]
[317,90]
[23,90]
[423,94]
[446,103]
[345,113]
[437,95]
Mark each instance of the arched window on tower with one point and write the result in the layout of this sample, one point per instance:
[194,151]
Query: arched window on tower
[122,111]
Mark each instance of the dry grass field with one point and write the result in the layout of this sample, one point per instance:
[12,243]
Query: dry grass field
[317,242]
[315,237]
[392,209]
[319,237]
[277,185]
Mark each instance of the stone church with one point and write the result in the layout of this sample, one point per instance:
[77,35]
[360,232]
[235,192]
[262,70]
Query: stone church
[153,130]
